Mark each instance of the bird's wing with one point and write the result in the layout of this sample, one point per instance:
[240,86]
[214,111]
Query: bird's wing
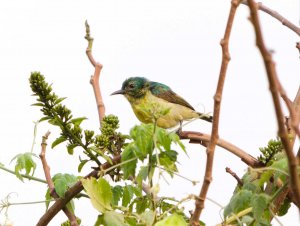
[164,92]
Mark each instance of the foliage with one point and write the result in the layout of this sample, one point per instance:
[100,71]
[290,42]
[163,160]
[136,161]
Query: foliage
[259,198]
[127,193]
[94,146]
[25,162]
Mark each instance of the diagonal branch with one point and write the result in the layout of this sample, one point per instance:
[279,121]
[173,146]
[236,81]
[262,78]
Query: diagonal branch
[274,88]
[72,192]
[69,214]
[95,78]
[276,15]
[202,138]
[199,203]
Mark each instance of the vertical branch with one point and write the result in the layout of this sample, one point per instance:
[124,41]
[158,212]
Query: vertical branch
[95,78]
[274,88]
[199,203]
[69,214]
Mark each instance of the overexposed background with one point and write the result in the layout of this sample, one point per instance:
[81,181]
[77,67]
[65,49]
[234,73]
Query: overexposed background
[174,42]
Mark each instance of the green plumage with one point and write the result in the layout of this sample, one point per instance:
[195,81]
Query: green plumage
[144,94]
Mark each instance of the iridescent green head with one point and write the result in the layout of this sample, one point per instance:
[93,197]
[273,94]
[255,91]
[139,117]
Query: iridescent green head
[134,87]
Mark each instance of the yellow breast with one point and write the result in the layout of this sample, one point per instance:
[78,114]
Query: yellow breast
[168,115]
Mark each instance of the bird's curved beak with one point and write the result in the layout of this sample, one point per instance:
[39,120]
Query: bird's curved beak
[118,92]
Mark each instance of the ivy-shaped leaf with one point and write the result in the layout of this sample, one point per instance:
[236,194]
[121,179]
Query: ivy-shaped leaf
[100,193]
[259,203]
[25,162]
[143,139]
[62,182]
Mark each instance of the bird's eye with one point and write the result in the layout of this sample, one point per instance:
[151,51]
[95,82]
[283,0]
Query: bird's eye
[131,86]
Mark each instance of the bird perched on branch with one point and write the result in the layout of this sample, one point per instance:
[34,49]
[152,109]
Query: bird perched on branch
[156,102]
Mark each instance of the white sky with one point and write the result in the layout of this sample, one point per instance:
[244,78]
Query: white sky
[174,42]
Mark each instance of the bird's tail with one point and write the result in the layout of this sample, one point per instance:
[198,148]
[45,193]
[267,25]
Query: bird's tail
[205,117]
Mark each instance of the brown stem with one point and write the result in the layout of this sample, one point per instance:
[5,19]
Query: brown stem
[199,203]
[276,15]
[95,78]
[239,180]
[72,192]
[274,88]
[200,138]
[69,214]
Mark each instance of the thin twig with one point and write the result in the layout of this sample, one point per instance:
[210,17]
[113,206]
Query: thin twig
[239,180]
[69,214]
[95,78]
[276,15]
[199,203]
[200,138]
[274,88]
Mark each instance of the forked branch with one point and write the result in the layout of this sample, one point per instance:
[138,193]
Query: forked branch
[275,85]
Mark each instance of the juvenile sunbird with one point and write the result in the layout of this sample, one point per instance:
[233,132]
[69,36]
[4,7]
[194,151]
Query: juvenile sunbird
[172,109]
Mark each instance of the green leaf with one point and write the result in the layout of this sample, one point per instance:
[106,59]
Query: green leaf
[58,141]
[168,159]
[62,182]
[117,194]
[142,175]
[48,198]
[163,139]
[100,220]
[81,164]
[239,201]
[148,217]
[44,118]
[143,137]
[78,121]
[112,218]
[127,195]
[38,104]
[259,203]
[58,100]
[141,204]
[54,122]
[247,219]
[128,154]
[173,220]
[100,193]
[70,148]
[71,206]
[284,207]
[24,162]
[175,138]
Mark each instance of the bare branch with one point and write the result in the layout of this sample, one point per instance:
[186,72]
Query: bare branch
[95,78]
[276,15]
[199,203]
[239,180]
[202,138]
[69,214]
[274,88]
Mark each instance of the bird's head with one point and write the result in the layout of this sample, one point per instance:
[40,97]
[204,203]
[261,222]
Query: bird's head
[134,87]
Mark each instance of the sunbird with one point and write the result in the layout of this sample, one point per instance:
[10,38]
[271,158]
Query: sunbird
[169,108]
